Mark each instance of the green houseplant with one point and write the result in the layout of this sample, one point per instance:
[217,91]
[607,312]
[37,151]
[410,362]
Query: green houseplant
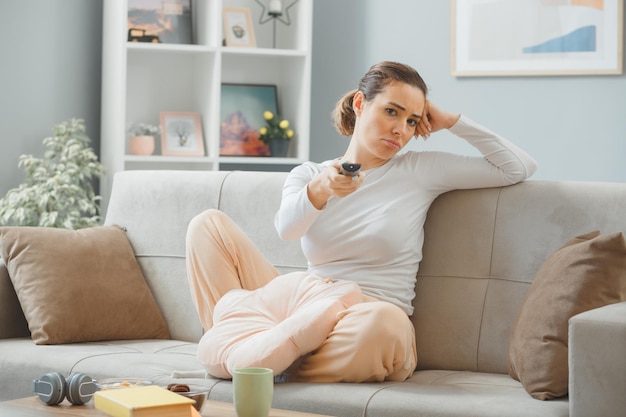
[58,191]
[276,134]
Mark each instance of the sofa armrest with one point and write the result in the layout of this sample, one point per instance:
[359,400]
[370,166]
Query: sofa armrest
[597,363]
[12,321]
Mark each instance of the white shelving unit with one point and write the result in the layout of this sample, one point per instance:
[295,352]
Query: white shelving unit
[140,80]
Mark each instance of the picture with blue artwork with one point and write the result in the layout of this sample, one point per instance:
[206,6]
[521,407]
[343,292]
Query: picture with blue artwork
[537,37]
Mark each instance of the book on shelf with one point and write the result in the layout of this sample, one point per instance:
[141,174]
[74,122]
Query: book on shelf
[146,401]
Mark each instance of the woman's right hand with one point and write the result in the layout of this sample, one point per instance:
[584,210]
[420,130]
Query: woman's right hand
[331,183]
[434,119]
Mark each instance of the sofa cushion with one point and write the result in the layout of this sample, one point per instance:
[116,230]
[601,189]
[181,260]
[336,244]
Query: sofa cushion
[587,272]
[80,285]
[274,325]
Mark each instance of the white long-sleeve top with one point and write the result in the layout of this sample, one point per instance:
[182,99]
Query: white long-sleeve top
[374,236]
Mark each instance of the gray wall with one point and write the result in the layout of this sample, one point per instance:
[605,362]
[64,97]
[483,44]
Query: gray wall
[49,72]
[574,126]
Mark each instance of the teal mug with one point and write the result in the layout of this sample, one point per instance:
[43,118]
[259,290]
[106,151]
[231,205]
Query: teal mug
[253,391]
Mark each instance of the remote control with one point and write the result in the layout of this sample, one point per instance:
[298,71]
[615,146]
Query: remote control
[350,169]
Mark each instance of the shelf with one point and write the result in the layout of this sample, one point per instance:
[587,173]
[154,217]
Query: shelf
[163,159]
[163,47]
[141,80]
[226,50]
[264,52]
[267,160]
[264,160]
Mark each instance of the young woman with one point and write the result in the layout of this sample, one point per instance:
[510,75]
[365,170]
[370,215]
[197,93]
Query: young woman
[366,228]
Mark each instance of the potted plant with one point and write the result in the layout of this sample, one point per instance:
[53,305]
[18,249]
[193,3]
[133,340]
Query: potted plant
[142,138]
[58,191]
[276,134]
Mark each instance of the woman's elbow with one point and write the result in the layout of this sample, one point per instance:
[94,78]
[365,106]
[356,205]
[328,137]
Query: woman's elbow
[284,232]
[526,171]
[531,168]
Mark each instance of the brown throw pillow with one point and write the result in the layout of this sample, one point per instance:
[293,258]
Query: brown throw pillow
[588,272]
[80,285]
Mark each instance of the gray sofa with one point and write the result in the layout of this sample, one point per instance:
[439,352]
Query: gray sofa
[482,249]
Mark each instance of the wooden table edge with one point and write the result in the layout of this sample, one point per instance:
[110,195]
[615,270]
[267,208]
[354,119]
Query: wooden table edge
[33,406]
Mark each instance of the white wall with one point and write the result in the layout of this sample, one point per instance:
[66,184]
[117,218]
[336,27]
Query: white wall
[575,126]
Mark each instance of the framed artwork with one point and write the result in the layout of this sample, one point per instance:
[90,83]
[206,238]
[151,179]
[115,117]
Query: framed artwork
[538,37]
[241,117]
[181,134]
[238,29]
[159,21]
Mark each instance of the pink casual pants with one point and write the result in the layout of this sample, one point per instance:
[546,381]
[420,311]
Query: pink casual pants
[372,341]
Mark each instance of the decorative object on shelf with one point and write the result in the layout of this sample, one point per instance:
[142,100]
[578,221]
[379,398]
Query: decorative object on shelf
[58,191]
[276,134]
[166,21]
[238,29]
[139,35]
[141,140]
[275,13]
[181,134]
[241,116]
[142,145]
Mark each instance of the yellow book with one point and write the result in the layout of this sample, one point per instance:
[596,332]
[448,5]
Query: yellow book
[146,401]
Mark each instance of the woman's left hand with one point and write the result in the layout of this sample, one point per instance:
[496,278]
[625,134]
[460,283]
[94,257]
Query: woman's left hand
[434,119]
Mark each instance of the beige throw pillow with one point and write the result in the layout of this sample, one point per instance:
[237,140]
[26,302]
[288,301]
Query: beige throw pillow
[588,272]
[80,285]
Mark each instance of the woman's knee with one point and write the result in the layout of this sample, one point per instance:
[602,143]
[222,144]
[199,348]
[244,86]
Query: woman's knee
[206,216]
[204,222]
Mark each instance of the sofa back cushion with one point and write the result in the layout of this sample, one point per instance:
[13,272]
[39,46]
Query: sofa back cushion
[252,200]
[482,250]
[155,207]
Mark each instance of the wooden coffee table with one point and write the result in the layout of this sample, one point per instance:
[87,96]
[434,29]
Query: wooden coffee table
[34,407]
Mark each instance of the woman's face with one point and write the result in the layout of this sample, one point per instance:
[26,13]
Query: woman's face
[385,124]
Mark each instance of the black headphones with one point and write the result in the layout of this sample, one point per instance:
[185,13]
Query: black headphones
[52,388]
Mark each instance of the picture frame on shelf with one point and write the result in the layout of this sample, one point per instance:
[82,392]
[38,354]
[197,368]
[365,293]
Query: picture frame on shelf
[164,21]
[181,134]
[238,27]
[241,117]
[521,38]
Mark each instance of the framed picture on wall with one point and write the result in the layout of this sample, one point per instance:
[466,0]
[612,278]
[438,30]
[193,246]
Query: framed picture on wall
[181,134]
[238,28]
[159,21]
[241,117]
[521,37]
